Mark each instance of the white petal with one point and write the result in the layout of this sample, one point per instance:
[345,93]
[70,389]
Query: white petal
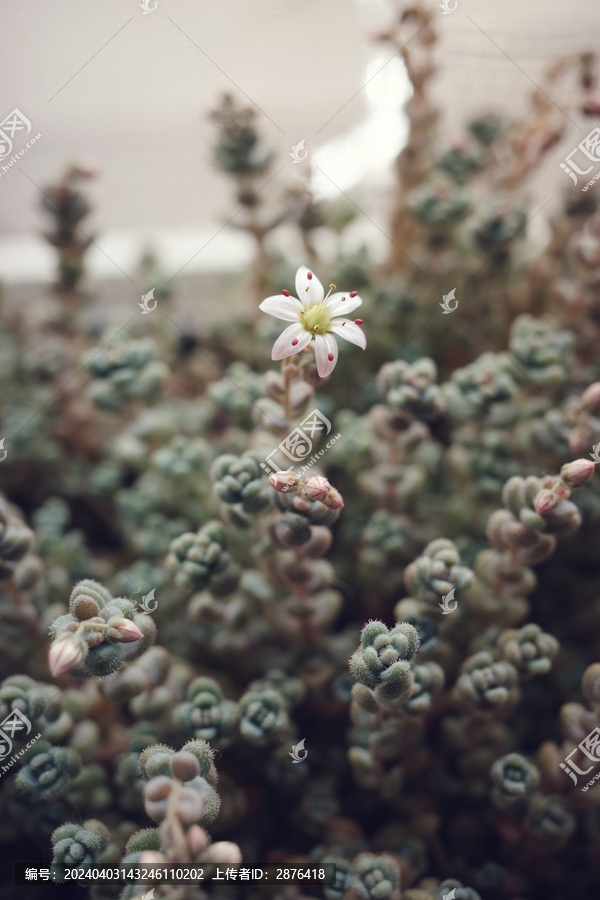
[323,347]
[309,290]
[350,332]
[286,308]
[283,345]
[343,304]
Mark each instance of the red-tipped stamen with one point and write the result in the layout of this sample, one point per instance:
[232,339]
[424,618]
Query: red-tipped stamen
[353,293]
[294,342]
[286,293]
[330,357]
[358,321]
[309,275]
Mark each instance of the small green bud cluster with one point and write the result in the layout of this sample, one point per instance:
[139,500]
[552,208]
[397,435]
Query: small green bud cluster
[487,684]
[195,559]
[412,389]
[542,354]
[123,371]
[382,664]
[16,540]
[514,780]
[498,226]
[89,638]
[474,390]
[181,783]
[439,202]
[529,649]
[462,161]
[48,771]
[375,877]
[77,846]
[207,715]
[238,482]
[42,704]
[236,150]
[437,572]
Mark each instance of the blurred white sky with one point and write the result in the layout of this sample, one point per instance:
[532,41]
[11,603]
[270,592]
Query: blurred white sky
[132,91]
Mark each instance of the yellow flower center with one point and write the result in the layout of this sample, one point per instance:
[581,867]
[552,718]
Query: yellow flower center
[316,319]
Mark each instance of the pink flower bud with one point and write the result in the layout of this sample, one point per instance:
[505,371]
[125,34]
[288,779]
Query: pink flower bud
[334,499]
[65,654]
[577,472]
[591,396]
[123,630]
[284,482]
[197,840]
[225,853]
[152,858]
[317,488]
[545,501]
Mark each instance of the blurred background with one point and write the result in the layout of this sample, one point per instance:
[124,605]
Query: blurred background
[133,92]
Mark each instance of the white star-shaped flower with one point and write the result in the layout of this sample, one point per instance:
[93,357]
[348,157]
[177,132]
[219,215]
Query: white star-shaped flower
[317,318]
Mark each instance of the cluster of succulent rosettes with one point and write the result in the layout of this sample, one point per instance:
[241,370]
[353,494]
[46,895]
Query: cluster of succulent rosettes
[476,389]
[542,354]
[514,781]
[42,704]
[180,783]
[304,504]
[197,559]
[382,664]
[207,715]
[429,679]
[16,539]
[463,160]
[238,482]
[48,771]
[263,715]
[439,203]
[236,393]
[123,371]
[537,509]
[236,150]
[68,207]
[437,572]
[374,878]
[500,590]
[487,684]
[75,846]
[412,388]
[529,649]
[498,226]
[183,457]
[89,639]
